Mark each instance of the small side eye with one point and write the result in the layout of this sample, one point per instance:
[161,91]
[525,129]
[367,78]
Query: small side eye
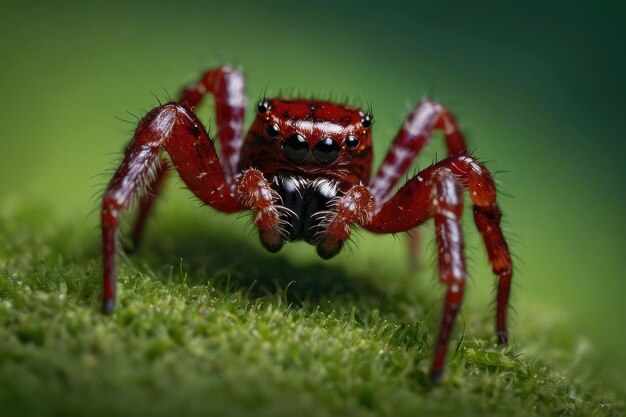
[272,131]
[367,120]
[352,142]
[263,107]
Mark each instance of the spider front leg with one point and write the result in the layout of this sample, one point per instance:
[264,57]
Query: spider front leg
[354,207]
[227,86]
[434,193]
[255,193]
[177,130]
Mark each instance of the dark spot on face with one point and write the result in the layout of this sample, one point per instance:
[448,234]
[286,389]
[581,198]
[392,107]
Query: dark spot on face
[296,148]
[326,151]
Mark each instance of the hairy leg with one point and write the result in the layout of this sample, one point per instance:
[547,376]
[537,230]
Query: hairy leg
[354,207]
[408,143]
[435,193]
[174,128]
[146,202]
[255,193]
[447,202]
[227,86]
[411,206]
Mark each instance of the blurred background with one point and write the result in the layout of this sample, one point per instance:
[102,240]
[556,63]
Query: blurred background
[538,88]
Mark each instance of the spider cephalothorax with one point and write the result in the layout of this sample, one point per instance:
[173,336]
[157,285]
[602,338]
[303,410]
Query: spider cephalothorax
[304,171]
[309,138]
[312,152]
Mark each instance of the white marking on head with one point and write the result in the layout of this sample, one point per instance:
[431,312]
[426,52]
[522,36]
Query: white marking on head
[324,126]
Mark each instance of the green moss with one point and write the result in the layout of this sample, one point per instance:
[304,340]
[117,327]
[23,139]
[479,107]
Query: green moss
[211,336]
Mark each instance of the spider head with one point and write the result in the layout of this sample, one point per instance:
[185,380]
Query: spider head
[309,136]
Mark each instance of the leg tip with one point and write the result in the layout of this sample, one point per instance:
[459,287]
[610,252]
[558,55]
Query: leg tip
[108,305]
[329,248]
[436,376]
[503,337]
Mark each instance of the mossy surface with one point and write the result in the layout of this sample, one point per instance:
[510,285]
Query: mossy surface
[231,330]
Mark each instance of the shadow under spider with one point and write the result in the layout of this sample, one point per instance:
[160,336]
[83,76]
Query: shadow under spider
[241,263]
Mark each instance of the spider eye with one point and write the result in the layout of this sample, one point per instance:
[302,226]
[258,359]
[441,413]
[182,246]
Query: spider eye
[326,151]
[296,148]
[367,120]
[263,106]
[352,142]
[272,131]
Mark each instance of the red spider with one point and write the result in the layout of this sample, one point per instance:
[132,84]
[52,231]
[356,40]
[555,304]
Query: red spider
[304,172]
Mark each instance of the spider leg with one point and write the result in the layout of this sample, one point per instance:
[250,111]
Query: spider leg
[354,207]
[255,193]
[227,86]
[177,130]
[146,202]
[427,195]
[414,134]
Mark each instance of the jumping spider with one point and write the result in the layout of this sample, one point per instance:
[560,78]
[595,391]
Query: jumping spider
[304,170]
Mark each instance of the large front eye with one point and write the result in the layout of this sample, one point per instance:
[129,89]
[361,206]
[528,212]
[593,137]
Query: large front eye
[296,148]
[326,151]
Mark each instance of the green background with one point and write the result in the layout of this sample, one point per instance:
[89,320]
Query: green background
[538,87]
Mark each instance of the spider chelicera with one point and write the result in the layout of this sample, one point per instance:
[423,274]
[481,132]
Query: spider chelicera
[303,170]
